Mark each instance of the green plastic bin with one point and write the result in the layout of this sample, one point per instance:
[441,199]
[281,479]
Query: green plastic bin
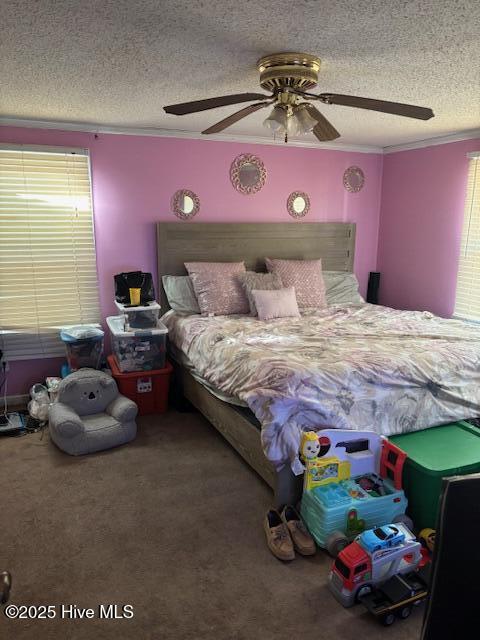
[433,454]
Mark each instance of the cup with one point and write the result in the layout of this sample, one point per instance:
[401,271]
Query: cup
[135,296]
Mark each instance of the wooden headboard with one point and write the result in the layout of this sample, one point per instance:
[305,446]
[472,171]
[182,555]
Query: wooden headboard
[177,242]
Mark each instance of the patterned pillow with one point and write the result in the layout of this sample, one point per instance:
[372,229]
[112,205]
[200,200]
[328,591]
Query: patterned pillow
[260,281]
[305,276]
[280,303]
[218,288]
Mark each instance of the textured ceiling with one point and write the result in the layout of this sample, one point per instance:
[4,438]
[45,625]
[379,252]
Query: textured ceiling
[117,62]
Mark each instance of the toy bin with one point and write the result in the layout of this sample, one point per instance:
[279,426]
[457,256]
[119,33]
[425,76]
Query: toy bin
[148,390]
[140,317]
[84,346]
[433,454]
[139,350]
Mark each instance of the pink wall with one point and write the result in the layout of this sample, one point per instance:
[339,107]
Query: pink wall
[423,196]
[134,178]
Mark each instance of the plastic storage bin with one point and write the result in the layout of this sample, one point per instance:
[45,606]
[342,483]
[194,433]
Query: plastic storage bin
[84,346]
[145,317]
[138,350]
[148,390]
[433,454]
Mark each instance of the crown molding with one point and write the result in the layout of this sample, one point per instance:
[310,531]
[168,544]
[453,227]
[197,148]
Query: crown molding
[84,127]
[177,133]
[433,142]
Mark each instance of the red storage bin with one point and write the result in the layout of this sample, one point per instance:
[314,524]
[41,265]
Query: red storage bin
[149,389]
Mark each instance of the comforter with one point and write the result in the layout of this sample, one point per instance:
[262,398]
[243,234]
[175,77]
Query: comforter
[350,367]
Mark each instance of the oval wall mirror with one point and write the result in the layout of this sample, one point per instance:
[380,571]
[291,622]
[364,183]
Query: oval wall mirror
[185,204]
[248,173]
[298,204]
[353,179]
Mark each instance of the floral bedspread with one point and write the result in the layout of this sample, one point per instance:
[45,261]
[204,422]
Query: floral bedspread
[349,367]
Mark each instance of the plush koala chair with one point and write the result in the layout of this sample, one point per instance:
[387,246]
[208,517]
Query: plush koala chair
[90,415]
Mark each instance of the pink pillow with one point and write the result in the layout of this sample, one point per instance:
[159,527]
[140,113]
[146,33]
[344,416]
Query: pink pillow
[276,303]
[218,288]
[305,276]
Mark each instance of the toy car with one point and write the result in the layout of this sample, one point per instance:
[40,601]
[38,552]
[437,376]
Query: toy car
[358,570]
[384,537]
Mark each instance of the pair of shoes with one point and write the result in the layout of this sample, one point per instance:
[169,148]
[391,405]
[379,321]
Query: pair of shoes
[286,533]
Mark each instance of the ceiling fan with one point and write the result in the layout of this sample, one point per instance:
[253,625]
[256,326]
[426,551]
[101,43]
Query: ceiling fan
[289,77]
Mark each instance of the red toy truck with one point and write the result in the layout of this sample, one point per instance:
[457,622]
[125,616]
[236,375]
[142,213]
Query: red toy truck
[356,571]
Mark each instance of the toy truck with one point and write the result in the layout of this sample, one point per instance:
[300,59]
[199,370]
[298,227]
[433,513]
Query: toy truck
[398,595]
[356,571]
[352,482]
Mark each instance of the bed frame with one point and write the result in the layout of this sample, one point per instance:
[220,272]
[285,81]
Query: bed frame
[333,242]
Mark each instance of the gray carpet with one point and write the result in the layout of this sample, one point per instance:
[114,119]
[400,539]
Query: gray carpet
[171,524]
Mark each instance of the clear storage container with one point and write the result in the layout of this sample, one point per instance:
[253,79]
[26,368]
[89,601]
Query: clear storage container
[140,317]
[140,349]
[84,346]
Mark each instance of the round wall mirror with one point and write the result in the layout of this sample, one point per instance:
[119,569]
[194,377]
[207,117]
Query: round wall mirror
[185,204]
[353,179]
[298,204]
[248,173]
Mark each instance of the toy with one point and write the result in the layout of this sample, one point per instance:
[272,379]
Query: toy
[427,538]
[357,570]
[309,446]
[381,538]
[320,471]
[397,596]
[353,486]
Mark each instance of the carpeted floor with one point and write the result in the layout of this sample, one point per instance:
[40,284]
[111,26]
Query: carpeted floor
[171,524]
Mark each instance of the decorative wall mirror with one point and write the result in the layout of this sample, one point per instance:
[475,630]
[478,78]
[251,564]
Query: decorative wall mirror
[298,204]
[353,179]
[185,204]
[248,173]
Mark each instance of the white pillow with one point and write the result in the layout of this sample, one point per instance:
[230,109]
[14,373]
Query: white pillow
[276,303]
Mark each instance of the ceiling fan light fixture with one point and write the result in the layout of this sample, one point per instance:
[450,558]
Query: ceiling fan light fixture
[277,121]
[305,122]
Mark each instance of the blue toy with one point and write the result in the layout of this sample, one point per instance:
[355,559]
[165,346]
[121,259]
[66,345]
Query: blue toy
[381,538]
[352,482]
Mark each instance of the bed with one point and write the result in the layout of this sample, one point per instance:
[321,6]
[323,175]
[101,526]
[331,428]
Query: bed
[356,366]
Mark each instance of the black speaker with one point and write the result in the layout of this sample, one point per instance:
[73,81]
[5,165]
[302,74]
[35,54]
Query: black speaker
[373,285]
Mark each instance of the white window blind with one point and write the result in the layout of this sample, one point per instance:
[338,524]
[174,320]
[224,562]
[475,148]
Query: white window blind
[48,276]
[467,303]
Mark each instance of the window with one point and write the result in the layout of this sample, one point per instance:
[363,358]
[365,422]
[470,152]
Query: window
[467,303]
[48,276]
[342,567]
[360,568]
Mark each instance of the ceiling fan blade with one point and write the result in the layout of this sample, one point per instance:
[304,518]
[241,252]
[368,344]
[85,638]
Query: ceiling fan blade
[323,130]
[235,117]
[183,108]
[396,108]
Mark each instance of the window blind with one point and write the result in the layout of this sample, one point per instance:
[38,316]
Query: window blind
[467,302]
[48,276]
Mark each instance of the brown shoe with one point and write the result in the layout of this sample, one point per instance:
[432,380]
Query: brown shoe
[302,540]
[278,538]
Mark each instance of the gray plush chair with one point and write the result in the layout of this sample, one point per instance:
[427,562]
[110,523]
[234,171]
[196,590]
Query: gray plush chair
[90,414]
